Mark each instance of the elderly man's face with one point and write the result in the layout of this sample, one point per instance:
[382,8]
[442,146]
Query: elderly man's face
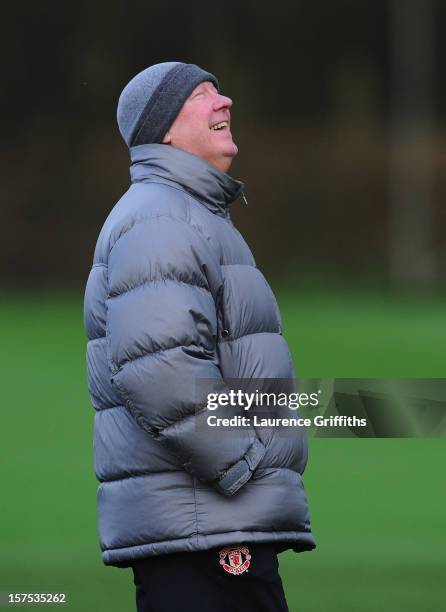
[195,128]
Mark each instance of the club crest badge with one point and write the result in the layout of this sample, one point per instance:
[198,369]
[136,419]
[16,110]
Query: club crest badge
[235,559]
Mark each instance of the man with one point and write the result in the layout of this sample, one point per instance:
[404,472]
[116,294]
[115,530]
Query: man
[174,303]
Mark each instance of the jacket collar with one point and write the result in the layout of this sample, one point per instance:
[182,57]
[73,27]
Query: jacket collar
[164,163]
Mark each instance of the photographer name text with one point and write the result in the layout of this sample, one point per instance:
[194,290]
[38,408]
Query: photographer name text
[258,421]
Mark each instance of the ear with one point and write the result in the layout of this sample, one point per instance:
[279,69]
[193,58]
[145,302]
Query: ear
[167,138]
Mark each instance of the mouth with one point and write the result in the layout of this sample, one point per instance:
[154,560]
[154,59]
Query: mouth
[221,125]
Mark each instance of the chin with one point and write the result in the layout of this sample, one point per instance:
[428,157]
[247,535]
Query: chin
[230,150]
[224,160]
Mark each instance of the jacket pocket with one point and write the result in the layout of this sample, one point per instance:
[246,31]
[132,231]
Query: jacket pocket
[224,331]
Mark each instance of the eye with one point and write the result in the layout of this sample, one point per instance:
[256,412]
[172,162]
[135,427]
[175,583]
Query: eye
[200,93]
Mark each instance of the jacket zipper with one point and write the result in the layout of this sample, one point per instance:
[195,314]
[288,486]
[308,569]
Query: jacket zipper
[225,332]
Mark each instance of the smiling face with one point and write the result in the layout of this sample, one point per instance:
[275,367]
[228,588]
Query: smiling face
[202,127]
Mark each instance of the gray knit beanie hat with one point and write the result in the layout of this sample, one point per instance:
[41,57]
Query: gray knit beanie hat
[151,101]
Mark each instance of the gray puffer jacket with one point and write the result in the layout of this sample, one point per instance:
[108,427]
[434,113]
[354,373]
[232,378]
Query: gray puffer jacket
[174,297]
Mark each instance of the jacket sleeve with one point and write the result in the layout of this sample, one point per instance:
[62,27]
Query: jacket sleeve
[161,340]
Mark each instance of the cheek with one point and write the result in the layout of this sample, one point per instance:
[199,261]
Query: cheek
[200,135]
[195,131]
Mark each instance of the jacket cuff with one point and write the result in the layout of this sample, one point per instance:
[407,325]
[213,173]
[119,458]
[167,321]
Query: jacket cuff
[238,474]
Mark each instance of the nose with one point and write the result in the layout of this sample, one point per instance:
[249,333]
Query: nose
[221,102]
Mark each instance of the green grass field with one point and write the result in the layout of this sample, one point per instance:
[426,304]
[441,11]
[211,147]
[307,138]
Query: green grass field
[378,506]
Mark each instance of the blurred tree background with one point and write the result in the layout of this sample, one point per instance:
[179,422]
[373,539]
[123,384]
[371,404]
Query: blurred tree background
[316,102]
[339,114]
